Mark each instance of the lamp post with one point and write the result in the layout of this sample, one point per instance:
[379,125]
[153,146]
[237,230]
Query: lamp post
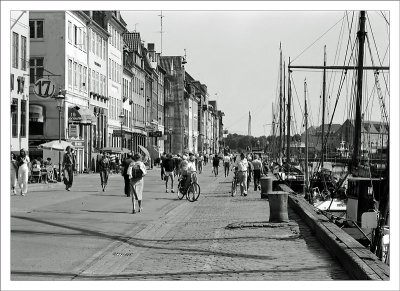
[60,97]
[121,119]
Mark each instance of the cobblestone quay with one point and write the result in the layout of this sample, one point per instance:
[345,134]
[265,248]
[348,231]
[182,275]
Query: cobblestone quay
[218,237]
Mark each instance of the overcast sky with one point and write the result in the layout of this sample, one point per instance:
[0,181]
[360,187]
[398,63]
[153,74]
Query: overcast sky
[236,54]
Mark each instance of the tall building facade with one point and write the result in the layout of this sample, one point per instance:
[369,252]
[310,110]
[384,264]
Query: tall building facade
[19,91]
[59,53]
[117,121]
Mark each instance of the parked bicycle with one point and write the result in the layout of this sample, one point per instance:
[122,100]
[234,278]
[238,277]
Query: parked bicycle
[192,192]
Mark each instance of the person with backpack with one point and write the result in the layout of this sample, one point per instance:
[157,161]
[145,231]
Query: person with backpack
[136,171]
[69,167]
[104,168]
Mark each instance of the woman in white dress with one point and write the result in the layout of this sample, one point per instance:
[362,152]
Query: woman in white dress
[23,171]
[136,171]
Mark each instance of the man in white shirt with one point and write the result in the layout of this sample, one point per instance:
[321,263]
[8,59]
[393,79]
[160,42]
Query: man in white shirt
[227,164]
[242,166]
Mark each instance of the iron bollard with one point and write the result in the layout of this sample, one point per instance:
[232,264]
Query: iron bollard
[278,201]
[266,186]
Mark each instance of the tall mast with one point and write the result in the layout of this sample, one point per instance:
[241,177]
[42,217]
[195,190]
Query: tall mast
[280,103]
[323,110]
[288,122]
[306,141]
[357,124]
[283,106]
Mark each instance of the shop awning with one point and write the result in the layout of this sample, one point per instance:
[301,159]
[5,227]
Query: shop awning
[81,115]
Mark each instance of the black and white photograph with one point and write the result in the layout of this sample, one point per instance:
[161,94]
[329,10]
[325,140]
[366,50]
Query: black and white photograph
[200,145]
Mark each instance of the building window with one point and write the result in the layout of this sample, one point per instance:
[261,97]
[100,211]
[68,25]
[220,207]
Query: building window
[23,118]
[15,47]
[23,53]
[69,32]
[93,49]
[90,88]
[80,77]
[36,69]
[93,81]
[36,29]
[75,35]
[75,75]
[84,41]
[70,74]
[104,50]
[14,118]
[84,79]
[36,120]
[97,83]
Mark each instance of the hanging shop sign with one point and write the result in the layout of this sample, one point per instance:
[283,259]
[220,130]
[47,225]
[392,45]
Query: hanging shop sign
[44,88]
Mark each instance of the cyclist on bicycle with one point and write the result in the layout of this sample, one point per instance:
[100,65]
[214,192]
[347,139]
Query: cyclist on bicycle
[188,171]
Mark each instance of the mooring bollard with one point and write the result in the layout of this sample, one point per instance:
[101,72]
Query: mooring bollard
[266,186]
[278,201]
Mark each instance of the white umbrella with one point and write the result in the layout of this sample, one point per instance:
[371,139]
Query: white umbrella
[55,145]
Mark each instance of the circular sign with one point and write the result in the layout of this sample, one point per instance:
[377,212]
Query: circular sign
[44,88]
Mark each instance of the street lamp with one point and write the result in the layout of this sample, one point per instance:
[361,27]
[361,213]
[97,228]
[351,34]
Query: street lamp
[121,119]
[60,97]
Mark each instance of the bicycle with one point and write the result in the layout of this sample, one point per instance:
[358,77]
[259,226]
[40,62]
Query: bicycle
[192,192]
[235,182]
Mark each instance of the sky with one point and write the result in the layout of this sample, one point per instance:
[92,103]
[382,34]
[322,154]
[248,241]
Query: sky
[236,54]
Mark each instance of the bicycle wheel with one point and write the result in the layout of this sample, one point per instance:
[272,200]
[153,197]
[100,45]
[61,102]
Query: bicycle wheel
[234,186]
[193,192]
[179,191]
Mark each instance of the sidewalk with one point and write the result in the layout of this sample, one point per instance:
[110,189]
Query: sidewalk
[219,237]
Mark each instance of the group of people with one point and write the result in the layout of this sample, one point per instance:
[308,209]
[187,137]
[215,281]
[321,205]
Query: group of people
[22,168]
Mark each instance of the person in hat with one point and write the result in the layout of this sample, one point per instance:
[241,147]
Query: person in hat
[23,163]
[125,164]
[68,168]
[136,171]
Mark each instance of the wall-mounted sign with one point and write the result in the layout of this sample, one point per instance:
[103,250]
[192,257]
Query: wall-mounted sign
[155,134]
[73,130]
[44,88]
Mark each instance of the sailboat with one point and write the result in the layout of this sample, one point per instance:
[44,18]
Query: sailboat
[366,196]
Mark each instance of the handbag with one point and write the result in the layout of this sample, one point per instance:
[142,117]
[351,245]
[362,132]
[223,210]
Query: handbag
[66,176]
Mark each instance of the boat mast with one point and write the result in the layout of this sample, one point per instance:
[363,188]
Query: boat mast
[306,141]
[283,105]
[357,124]
[288,122]
[280,104]
[323,109]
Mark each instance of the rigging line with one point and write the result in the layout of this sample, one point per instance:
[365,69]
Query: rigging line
[317,39]
[297,96]
[377,52]
[384,17]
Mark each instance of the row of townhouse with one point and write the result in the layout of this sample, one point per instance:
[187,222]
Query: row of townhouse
[118,93]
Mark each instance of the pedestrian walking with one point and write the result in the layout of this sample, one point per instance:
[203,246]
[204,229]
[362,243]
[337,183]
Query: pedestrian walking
[215,162]
[169,167]
[14,174]
[258,170]
[177,161]
[242,166]
[112,163]
[227,164]
[68,168]
[249,171]
[23,163]
[200,162]
[163,157]
[125,165]
[136,172]
[104,169]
